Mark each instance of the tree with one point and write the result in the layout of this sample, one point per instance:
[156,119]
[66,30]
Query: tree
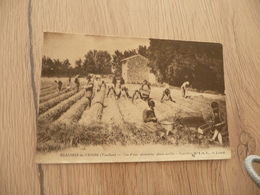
[47,66]
[79,66]
[55,67]
[97,62]
[142,50]
[177,61]
[65,67]
[117,57]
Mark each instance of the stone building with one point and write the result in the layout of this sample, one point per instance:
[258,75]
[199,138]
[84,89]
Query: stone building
[135,70]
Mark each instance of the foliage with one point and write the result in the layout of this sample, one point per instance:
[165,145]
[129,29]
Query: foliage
[142,50]
[97,62]
[175,62]
[55,67]
[118,56]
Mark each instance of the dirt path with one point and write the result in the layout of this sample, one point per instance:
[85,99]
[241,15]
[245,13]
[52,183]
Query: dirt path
[130,112]
[85,117]
[111,113]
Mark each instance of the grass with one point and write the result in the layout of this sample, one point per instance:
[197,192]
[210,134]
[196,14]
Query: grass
[58,136]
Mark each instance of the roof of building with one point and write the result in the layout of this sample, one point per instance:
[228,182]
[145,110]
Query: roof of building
[125,59]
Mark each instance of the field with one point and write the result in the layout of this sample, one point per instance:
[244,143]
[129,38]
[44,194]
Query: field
[65,119]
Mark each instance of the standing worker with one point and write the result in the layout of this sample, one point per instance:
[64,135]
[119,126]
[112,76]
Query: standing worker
[89,90]
[76,81]
[114,81]
[184,88]
[122,81]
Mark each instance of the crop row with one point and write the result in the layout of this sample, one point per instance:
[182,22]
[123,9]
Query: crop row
[50,96]
[94,113]
[55,111]
[45,87]
[53,102]
[73,114]
[47,92]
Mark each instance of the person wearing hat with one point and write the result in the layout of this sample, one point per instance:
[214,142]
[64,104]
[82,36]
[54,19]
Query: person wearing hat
[184,88]
[166,94]
[218,122]
[76,81]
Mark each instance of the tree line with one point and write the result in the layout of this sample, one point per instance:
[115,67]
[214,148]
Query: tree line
[95,62]
[172,62]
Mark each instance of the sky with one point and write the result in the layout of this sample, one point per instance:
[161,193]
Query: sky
[75,46]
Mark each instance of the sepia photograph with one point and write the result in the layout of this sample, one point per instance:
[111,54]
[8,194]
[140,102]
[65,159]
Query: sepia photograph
[126,99]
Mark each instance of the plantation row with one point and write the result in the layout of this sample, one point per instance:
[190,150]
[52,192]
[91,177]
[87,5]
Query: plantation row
[51,95]
[94,113]
[59,107]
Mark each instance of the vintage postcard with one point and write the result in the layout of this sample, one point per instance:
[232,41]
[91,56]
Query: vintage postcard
[124,99]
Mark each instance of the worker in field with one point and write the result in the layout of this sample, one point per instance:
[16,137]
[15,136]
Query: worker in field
[89,90]
[167,95]
[76,81]
[59,85]
[110,87]
[97,84]
[122,81]
[143,92]
[103,84]
[68,87]
[151,121]
[218,122]
[184,88]
[124,89]
[148,113]
[114,81]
